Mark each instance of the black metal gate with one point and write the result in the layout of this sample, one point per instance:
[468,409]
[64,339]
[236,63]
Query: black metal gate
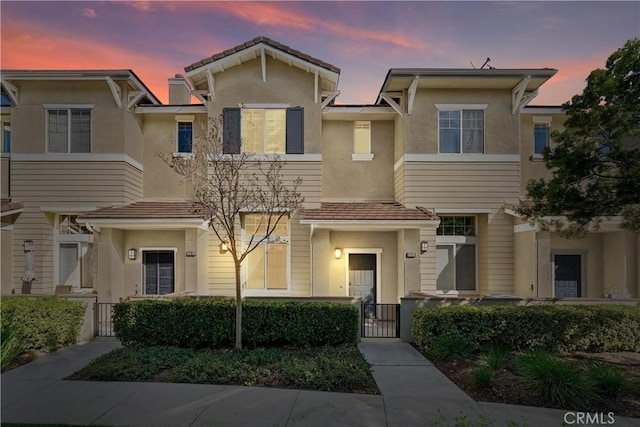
[103,325]
[380,320]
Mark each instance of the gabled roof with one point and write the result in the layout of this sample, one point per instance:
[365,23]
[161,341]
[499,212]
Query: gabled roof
[202,73]
[267,42]
[369,211]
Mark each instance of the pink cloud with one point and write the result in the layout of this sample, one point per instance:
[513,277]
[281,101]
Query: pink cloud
[28,46]
[89,13]
[285,16]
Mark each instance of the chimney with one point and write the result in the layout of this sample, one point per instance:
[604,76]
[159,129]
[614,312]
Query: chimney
[179,90]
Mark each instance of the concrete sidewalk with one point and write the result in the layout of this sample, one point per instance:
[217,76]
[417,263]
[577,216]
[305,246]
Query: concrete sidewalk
[414,393]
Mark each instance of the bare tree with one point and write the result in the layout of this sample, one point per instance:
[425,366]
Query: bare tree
[229,185]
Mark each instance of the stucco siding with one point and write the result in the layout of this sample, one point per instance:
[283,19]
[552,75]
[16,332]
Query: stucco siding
[461,184]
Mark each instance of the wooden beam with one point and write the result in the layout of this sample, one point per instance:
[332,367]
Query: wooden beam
[392,103]
[263,59]
[134,97]
[315,87]
[528,97]
[517,93]
[200,95]
[115,91]
[12,91]
[329,99]
[412,93]
[212,85]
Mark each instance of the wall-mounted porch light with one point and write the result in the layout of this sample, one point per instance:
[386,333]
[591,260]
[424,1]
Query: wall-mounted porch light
[132,254]
[337,253]
[424,247]
[223,247]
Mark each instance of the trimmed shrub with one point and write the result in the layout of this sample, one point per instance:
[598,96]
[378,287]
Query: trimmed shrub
[44,323]
[558,328]
[200,323]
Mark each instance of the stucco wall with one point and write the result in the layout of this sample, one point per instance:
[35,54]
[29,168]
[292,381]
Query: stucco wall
[387,241]
[501,127]
[346,179]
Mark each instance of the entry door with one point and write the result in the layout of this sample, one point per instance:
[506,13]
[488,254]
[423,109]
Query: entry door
[159,268]
[568,273]
[362,277]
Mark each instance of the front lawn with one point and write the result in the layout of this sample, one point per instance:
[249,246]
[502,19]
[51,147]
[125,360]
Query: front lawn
[331,368]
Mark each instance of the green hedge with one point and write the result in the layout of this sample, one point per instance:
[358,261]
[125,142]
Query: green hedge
[558,328]
[42,323]
[198,323]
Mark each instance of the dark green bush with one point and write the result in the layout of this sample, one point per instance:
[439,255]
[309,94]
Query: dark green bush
[557,328]
[199,323]
[42,323]
[450,348]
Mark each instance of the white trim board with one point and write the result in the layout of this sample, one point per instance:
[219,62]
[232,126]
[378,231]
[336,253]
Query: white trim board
[77,157]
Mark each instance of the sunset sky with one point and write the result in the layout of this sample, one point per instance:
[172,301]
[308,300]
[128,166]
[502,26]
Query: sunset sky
[364,39]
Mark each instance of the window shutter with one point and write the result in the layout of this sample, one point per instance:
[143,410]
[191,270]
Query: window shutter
[231,131]
[295,130]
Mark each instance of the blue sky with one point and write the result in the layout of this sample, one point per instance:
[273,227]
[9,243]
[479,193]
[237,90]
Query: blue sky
[364,39]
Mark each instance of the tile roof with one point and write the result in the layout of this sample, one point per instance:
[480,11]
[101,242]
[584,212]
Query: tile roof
[266,41]
[366,211]
[148,210]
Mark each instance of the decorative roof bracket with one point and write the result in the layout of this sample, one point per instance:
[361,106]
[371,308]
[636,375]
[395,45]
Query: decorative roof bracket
[391,103]
[517,94]
[115,91]
[12,91]
[412,94]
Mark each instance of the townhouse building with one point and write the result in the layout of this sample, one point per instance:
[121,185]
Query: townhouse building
[412,195]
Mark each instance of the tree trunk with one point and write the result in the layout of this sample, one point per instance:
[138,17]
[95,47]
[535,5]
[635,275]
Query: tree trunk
[238,307]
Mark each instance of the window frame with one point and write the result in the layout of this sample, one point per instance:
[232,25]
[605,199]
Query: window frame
[180,120]
[460,108]
[455,241]
[6,130]
[362,155]
[141,251]
[264,138]
[69,108]
[286,239]
[82,240]
[540,120]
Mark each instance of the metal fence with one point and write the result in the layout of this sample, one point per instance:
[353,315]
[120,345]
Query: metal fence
[103,324]
[380,320]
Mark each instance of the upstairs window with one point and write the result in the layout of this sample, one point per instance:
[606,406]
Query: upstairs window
[461,130]
[541,135]
[263,130]
[69,130]
[362,141]
[185,137]
[6,137]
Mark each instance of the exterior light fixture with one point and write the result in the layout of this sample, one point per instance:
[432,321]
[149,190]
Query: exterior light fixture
[133,254]
[337,253]
[223,247]
[424,247]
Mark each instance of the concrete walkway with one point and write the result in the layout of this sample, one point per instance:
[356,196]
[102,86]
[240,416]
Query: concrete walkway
[414,393]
